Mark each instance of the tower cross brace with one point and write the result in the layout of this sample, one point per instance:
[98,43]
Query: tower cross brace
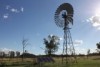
[68,48]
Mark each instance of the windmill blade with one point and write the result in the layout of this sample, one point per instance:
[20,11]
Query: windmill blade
[69,9]
[59,23]
[70,19]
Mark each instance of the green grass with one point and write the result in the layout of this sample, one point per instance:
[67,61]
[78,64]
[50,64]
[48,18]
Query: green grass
[81,62]
[93,61]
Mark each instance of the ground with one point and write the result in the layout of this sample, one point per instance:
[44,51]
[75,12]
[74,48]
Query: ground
[91,61]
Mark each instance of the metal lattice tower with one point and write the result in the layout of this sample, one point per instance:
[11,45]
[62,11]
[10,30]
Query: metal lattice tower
[64,19]
[68,47]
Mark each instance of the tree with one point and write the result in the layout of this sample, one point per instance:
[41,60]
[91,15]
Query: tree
[51,44]
[2,54]
[98,46]
[11,54]
[17,53]
[88,52]
[24,44]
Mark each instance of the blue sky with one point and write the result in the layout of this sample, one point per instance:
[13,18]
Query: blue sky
[34,20]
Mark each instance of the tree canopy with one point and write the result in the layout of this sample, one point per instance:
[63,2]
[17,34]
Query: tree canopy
[51,44]
[98,46]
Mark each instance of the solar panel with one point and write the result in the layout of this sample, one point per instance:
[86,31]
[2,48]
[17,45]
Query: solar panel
[45,59]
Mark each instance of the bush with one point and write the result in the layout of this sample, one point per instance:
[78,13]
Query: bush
[2,64]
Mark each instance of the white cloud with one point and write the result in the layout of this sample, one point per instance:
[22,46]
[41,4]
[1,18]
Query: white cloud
[14,10]
[87,20]
[61,39]
[96,24]
[6,50]
[51,35]
[5,16]
[22,9]
[81,50]
[78,42]
[98,28]
[95,21]
[17,10]
[11,10]
[8,7]
[93,50]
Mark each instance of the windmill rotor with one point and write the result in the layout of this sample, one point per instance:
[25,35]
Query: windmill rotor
[64,8]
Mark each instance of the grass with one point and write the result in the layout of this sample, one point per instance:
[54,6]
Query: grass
[93,61]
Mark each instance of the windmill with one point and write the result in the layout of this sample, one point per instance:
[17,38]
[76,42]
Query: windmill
[64,19]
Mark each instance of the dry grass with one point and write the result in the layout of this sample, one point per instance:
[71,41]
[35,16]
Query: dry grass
[91,61]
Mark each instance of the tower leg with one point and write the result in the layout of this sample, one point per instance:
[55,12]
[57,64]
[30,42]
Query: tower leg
[68,47]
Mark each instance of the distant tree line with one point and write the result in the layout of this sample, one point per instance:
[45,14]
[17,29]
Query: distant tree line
[10,54]
[16,54]
[94,53]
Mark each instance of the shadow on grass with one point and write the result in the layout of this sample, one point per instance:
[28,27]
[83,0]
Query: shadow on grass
[16,64]
[96,59]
